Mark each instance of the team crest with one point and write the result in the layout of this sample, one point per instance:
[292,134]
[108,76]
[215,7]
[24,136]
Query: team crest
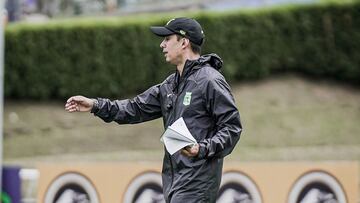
[187,98]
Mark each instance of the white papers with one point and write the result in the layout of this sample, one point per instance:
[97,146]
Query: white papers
[177,136]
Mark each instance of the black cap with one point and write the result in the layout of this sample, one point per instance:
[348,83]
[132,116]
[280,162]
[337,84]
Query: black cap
[185,27]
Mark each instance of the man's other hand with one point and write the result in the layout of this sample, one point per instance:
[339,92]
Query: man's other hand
[79,103]
[190,151]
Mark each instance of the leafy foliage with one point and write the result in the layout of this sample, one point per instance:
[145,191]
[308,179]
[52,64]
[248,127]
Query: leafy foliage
[113,58]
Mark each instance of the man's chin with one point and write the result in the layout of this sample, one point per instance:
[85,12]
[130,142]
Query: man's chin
[168,60]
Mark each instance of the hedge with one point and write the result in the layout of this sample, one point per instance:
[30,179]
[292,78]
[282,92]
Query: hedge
[114,58]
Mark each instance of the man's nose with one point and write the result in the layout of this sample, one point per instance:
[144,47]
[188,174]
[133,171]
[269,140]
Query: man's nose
[162,44]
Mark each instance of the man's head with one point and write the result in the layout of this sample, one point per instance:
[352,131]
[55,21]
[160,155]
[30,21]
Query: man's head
[180,34]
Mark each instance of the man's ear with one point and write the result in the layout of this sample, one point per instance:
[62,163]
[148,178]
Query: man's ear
[185,42]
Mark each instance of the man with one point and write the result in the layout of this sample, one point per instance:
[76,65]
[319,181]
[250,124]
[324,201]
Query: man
[198,93]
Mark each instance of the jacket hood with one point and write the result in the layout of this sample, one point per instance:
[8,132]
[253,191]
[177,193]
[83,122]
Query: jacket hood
[212,59]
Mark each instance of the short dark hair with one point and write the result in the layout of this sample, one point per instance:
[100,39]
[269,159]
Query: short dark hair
[194,47]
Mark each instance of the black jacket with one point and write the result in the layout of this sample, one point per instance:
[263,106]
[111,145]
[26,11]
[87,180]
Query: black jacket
[203,98]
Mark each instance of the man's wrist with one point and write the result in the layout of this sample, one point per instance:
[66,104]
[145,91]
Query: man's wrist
[95,108]
[202,151]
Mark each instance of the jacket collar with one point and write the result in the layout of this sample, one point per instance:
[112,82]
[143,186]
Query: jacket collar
[192,65]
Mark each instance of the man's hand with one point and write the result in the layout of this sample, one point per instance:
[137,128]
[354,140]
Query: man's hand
[79,103]
[190,151]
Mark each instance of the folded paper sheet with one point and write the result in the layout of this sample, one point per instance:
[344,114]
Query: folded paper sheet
[177,136]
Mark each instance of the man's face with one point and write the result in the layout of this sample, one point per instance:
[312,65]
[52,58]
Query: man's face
[172,49]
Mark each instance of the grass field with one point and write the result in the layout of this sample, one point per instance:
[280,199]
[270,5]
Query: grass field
[284,118]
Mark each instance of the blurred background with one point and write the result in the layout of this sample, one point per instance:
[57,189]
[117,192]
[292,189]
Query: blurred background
[293,65]
[38,10]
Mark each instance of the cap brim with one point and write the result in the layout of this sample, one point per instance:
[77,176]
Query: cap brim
[161,31]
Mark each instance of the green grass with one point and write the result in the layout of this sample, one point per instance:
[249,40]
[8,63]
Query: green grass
[284,118]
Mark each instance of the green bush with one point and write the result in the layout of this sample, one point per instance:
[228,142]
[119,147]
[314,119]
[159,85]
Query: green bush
[319,40]
[114,58]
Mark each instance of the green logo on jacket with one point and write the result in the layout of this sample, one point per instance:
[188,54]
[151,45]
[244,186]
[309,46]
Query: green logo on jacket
[187,98]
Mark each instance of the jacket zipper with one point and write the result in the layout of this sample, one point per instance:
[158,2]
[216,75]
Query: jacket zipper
[171,161]
[178,92]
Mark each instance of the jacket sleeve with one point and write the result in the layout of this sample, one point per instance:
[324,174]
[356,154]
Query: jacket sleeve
[222,108]
[144,107]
